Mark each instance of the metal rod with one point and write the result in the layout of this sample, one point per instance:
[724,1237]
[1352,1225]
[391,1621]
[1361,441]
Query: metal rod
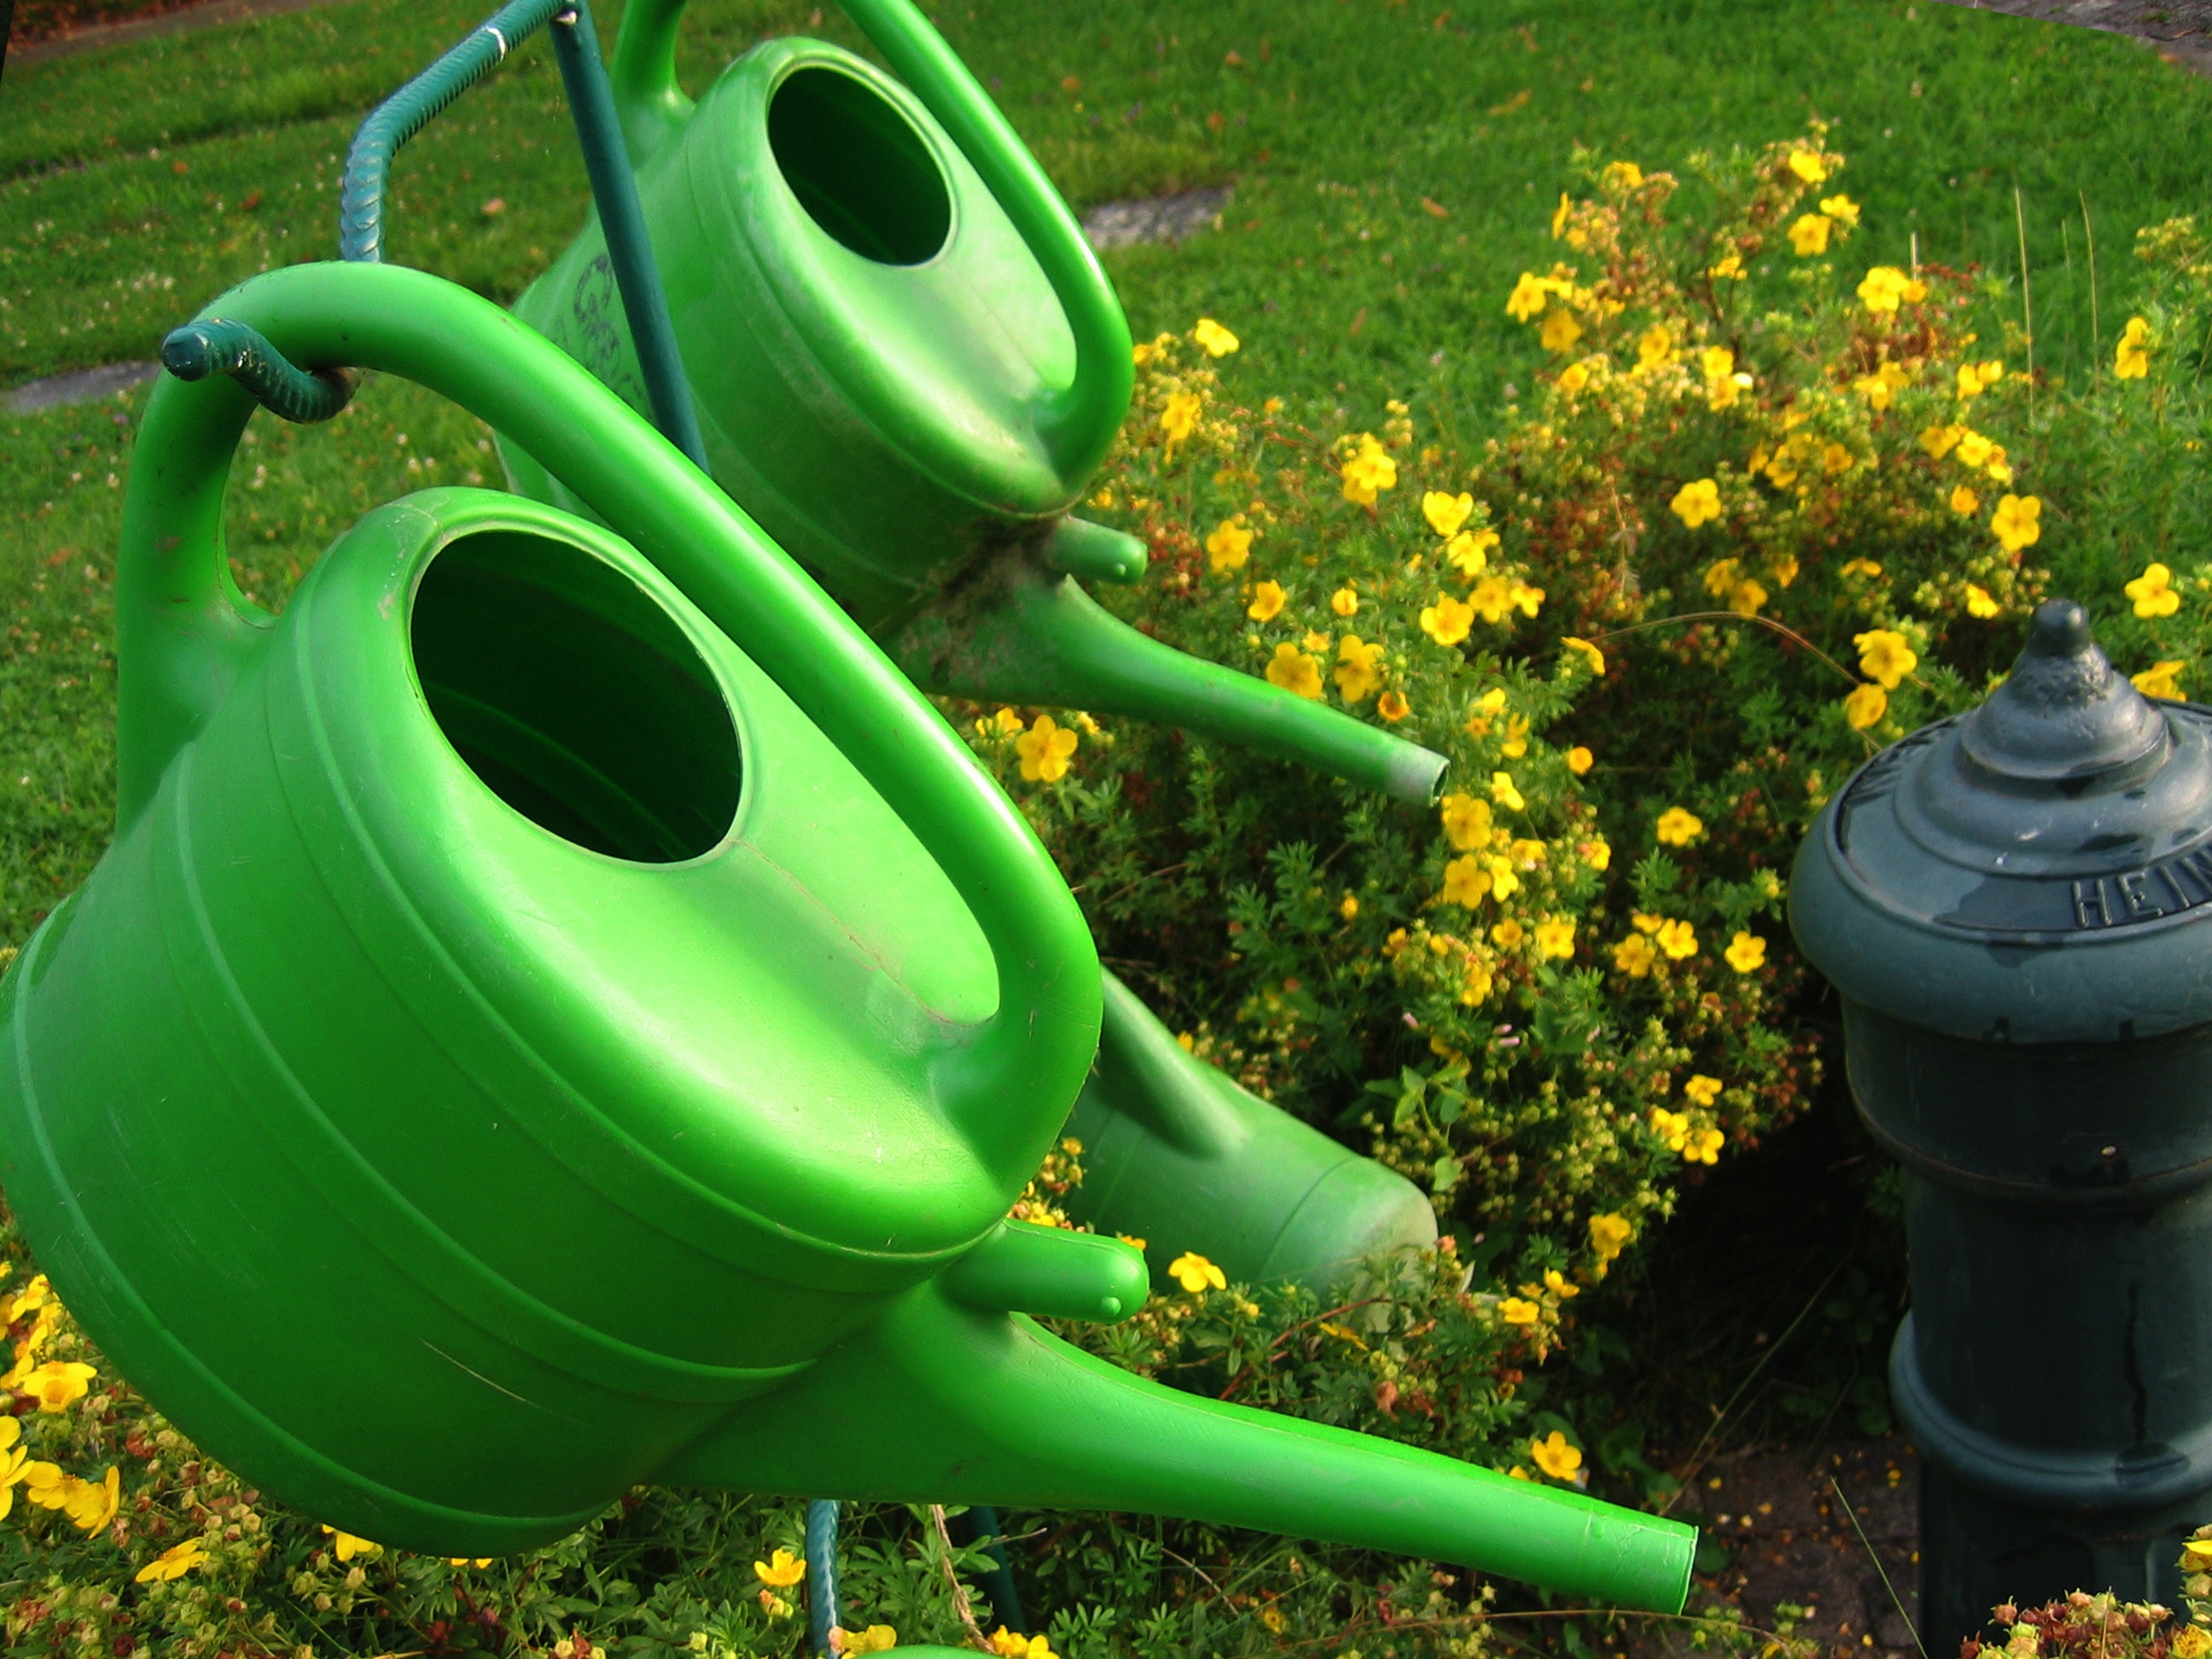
[614,189]
[629,248]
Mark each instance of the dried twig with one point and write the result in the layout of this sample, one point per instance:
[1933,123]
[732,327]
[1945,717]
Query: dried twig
[960,1603]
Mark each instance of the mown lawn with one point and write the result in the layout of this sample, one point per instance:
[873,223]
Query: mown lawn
[1394,166]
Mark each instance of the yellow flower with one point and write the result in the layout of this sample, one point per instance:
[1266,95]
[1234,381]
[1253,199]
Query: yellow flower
[1230,544]
[1528,599]
[173,1563]
[468,1561]
[1809,235]
[1358,668]
[1609,1233]
[1345,601]
[2153,593]
[1621,175]
[1573,378]
[1702,1091]
[1318,641]
[1508,935]
[1561,330]
[1635,957]
[1196,1273]
[1866,705]
[1448,620]
[1579,761]
[1466,882]
[876,1639]
[1369,471]
[1747,598]
[2017,521]
[1556,1282]
[781,1571]
[1876,389]
[1266,601]
[1677,939]
[1529,297]
[1862,567]
[58,1384]
[1350,909]
[2131,360]
[1965,502]
[1007,1645]
[1698,502]
[1217,341]
[1555,1457]
[91,1504]
[1470,550]
[1886,285]
[1560,216]
[1679,827]
[1446,513]
[1589,652]
[1717,362]
[1807,166]
[2159,680]
[1974,449]
[1939,440]
[1514,1311]
[1704,1146]
[1654,348]
[1971,383]
[1729,269]
[1978,602]
[348,1546]
[1502,791]
[1044,748]
[1746,954]
[1841,209]
[45,1484]
[1785,569]
[1292,670]
[1885,656]
[1391,706]
[1835,459]
[2193,1643]
[32,1297]
[1467,822]
[1555,937]
[1179,417]
[1491,599]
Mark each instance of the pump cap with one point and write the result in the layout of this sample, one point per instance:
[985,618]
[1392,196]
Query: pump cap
[2029,871]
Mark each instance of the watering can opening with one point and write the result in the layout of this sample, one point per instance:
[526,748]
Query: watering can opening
[576,697]
[858,167]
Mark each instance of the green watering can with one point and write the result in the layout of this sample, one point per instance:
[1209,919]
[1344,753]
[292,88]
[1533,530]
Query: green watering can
[561,1011]
[907,364]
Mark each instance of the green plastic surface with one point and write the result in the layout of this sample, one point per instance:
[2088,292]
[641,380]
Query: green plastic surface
[1175,1154]
[561,1011]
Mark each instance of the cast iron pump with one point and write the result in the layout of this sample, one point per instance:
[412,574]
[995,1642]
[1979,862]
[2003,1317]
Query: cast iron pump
[2011,904]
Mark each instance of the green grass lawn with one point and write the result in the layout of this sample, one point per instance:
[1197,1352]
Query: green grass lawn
[1396,166]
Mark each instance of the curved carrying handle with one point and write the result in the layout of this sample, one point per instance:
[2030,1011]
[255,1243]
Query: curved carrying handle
[1077,423]
[183,632]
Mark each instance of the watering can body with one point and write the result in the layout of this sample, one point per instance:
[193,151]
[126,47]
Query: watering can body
[451,923]
[868,339]
[559,1010]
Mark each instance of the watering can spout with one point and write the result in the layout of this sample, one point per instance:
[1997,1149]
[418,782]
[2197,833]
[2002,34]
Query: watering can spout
[1020,631]
[945,1402]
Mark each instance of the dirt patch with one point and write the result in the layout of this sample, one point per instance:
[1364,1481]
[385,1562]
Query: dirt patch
[1776,1535]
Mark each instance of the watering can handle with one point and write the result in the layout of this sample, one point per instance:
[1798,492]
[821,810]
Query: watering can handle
[185,631]
[1077,422]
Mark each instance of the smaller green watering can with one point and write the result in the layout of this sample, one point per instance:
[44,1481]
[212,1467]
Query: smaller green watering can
[560,1012]
[906,364]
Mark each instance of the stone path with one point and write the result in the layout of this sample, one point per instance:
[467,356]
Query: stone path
[1155,218]
[81,386]
[2181,29]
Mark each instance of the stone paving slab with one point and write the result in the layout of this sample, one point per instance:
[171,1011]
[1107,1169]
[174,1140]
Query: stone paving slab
[81,385]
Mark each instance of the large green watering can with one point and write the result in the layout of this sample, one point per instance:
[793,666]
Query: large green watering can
[559,1012]
[906,364]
